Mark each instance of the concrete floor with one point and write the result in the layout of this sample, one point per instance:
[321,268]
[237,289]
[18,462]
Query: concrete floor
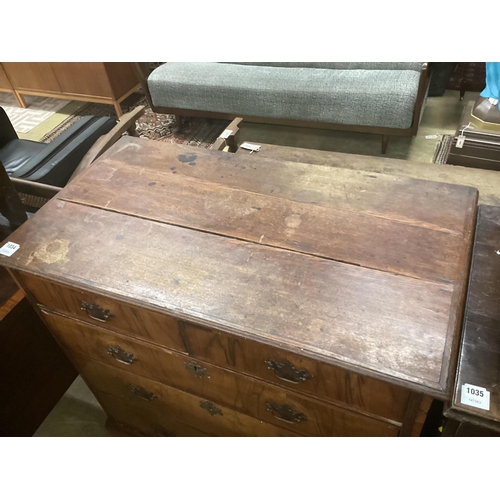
[79,414]
[441,116]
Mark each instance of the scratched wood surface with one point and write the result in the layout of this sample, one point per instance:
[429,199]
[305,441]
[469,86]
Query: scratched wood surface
[487,183]
[395,197]
[378,240]
[366,272]
[479,361]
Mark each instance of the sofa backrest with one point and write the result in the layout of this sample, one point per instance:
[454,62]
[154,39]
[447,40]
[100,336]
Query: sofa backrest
[416,66]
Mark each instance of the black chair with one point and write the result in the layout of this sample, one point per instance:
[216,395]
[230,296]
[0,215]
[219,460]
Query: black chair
[39,171]
[52,163]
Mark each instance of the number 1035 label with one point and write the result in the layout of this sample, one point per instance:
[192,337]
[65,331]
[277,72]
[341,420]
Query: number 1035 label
[473,395]
[9,248]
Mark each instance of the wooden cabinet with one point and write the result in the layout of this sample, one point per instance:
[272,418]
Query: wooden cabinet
[202,293]
[108,83]
[84,79]
[38,77]
[479,359]
[5,85]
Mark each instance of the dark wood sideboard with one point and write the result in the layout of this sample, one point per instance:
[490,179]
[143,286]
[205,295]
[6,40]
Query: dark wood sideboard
[107,83]
[475,407]
[204,293]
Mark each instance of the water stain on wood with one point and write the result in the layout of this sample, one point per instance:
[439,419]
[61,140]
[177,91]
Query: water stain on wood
[51,252]
[187,158]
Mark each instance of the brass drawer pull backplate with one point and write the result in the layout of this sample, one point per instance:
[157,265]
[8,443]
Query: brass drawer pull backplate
[285,413]
[127,358]
[195,368]
[284,370]
[211,408]
[96,312]
[142,393]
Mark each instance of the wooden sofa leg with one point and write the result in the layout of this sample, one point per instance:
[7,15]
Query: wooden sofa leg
[178,120]
[385,141]
[132,131]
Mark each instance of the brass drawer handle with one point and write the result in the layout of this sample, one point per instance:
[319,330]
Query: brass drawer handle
[142,393]
[211,408]
[284,370]
[96,312]
[127,358]
[285,413]
[195,368]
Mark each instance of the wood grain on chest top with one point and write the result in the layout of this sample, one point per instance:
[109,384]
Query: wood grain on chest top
[364,271]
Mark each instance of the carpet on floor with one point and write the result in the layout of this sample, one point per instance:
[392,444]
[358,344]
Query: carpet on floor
[442,150]
[26,119]
[199,132]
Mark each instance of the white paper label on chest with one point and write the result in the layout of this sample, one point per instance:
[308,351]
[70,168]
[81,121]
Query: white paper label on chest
[9,248]
[226,134]
[473,395]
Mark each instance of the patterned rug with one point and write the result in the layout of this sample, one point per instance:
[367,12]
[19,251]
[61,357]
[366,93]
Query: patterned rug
[442,150]
[26,119]
[200,132]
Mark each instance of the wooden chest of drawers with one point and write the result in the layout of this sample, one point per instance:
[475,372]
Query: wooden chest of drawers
[202,294]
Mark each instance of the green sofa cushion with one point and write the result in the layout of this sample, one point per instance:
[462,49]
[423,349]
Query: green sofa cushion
[369,97]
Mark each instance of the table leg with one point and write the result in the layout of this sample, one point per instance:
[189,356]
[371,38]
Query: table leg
[20,99]
[118,109]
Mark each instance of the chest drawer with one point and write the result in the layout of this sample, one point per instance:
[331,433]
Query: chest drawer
[233,390]
[163,406]
[104,311]
[140,421]
[297,373]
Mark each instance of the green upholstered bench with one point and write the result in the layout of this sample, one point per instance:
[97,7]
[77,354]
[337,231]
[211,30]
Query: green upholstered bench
[381,98]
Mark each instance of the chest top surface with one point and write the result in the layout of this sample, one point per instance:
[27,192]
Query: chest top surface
[366,271]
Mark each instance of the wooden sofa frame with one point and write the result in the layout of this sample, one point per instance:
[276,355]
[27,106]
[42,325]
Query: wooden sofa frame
[143,73]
